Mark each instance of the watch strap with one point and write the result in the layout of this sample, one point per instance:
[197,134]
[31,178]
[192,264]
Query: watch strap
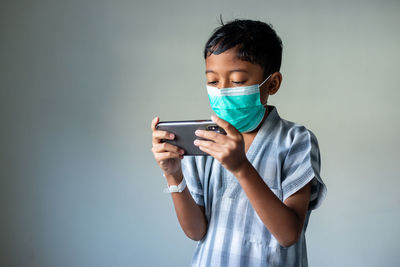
[176,188]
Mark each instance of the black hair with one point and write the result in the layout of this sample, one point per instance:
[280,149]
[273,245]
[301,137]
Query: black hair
[257,42]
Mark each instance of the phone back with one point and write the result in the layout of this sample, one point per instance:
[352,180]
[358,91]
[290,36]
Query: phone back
[184,133]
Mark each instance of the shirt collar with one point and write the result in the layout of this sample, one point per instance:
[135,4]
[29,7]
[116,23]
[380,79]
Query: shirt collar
[266,127]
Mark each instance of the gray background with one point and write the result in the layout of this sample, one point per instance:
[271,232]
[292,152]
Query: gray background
[80,82]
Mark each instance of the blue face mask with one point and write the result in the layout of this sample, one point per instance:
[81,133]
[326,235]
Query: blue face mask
[240,106]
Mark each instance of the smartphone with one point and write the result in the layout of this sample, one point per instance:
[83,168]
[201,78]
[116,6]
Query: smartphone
[184,133]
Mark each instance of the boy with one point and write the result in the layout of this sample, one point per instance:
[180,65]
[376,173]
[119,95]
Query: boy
[249,202]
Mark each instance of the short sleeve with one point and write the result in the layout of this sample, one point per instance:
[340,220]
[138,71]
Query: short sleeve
[302,164]
[193,173]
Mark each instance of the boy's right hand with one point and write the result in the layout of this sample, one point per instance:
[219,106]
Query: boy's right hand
[167,156]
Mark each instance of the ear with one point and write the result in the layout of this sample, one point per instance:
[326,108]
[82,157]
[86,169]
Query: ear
[275,83]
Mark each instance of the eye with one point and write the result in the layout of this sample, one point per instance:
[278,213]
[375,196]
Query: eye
[212,83]
[238,82]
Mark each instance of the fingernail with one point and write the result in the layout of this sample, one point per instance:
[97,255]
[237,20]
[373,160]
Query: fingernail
[197,132]
[181,151]
[171,135]
[213,117]
[196,142]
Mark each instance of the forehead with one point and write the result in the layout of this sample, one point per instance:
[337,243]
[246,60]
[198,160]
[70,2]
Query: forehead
[228,61]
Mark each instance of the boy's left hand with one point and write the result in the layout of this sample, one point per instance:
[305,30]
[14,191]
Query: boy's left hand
[227,149]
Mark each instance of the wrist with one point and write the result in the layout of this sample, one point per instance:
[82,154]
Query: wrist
[243,170]
[174,178]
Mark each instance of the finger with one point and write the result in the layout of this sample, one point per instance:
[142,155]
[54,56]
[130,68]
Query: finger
[166,147]
[216,137]
[207,144]
[208,151]
[163,135]
[229,129]
[158,135]
[166,155]
[154,123]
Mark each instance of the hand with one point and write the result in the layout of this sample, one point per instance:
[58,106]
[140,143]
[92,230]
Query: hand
[227,149]
[167,156]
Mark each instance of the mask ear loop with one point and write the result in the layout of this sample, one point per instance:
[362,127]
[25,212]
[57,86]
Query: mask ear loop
[261,85]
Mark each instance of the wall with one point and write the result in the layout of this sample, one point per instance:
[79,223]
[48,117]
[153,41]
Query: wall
[80,82]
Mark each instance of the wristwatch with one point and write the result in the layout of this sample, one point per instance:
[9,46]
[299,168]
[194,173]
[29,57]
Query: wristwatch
[176,188]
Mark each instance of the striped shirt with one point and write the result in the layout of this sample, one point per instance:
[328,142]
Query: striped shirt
[286,155]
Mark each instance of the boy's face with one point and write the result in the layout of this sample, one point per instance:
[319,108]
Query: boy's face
[226,70]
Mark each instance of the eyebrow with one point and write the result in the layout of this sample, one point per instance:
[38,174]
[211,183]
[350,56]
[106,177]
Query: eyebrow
[234,70]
